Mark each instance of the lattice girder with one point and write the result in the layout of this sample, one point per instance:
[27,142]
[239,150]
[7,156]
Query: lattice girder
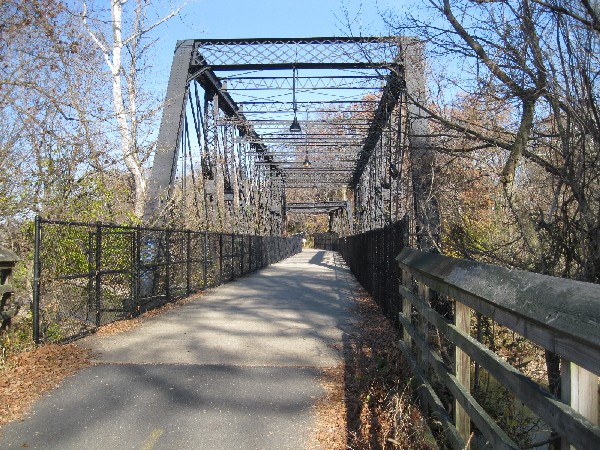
[341,91]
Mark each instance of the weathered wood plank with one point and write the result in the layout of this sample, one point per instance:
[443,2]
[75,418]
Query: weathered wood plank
[579,389]
[496,437]
[406,308]
[427,392]
[566,421]
[422,323]
[559,314]
[462,368]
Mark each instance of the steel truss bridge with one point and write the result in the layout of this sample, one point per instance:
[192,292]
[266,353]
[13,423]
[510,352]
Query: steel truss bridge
[250,124]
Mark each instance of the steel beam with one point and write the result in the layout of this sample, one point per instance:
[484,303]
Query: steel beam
[162,175]
[389,99]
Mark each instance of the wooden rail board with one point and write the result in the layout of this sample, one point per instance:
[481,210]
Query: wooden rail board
[492,432]
[562,316]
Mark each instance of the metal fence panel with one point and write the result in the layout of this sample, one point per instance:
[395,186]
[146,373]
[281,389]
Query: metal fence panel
[90,274]
[371,258]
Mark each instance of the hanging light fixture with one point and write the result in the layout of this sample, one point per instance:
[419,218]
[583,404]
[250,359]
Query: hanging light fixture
[295,126]
[306,162]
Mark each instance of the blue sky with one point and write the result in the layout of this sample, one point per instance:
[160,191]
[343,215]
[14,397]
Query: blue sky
[275,18]
[267,18]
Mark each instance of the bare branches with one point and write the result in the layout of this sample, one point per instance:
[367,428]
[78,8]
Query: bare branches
[592,22]
[124,76]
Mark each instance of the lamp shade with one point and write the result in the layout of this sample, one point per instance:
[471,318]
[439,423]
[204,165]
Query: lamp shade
[295,126]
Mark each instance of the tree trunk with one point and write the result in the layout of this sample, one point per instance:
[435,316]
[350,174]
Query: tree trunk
[128,145]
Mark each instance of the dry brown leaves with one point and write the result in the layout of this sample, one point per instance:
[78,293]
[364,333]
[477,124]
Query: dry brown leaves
[368,401]
[331,413]
[26,376]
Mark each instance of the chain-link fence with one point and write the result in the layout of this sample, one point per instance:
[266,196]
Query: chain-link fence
[371,257]
[90,274]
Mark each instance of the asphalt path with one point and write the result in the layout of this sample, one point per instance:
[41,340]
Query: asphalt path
[237,368]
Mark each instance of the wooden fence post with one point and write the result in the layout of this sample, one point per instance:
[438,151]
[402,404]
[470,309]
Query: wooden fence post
[423,327]
[462,368]
[406,307]
[579,389]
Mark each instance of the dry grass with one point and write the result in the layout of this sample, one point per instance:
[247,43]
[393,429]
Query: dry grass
[368,402]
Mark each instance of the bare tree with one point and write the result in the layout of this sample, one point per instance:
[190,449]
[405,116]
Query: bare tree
[124,47]
[534,61]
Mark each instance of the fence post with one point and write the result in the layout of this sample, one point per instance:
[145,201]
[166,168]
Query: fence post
[406,307]
[205,261]
[36,279]
[462,368]
[98,276]
[188,263]
[250,255]
[579,389]
[168,266]
[220,258]
[136,301]
[423,327]
[232,257]
[242,237]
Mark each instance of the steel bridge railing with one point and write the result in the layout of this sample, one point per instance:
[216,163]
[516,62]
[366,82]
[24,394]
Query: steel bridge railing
[90,274]
[371,256]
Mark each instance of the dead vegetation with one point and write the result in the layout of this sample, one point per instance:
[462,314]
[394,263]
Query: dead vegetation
[26,375]
[368,404]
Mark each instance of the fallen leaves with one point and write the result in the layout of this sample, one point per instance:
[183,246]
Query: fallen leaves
[368,402]
[26,376]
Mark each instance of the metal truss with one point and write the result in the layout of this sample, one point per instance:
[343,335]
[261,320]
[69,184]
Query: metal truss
[327,52]
[249,83]
[317,207]
[230,106]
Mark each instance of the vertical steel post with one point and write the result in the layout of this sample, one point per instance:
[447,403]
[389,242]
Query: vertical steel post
[220,258]
[188,262]
[242,237]
[98,276]
[232,256]
[136,302]
[91,265]
[205,261]
[168,266]
[250,255]
[36,279]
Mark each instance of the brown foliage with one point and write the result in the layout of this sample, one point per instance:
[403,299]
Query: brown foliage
[368,404]
[26,376]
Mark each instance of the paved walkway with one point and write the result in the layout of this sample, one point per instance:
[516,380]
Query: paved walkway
[237,368]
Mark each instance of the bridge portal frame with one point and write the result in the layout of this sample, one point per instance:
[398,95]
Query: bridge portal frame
[401,58]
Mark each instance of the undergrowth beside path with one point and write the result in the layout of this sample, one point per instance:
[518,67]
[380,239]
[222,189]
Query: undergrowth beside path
[369,402]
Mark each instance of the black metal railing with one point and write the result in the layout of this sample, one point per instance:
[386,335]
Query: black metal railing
[326,241]
[90,274]
[371,258]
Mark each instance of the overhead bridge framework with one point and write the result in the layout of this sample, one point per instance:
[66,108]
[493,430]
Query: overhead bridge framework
[246,121]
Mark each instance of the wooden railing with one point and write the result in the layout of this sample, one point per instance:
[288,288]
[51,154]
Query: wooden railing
[562,316]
